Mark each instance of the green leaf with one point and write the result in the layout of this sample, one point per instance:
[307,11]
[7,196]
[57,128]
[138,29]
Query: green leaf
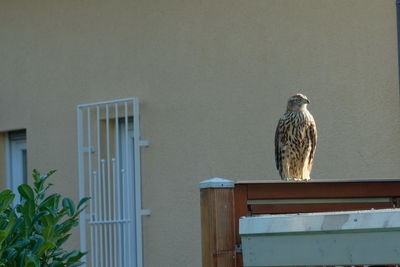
[21,243]
[44,247]
[22,255]
[56,264]
[6,198]
[69,205]
[63,239]
[82,201]
[66,226]
[39,179]
[8,229]
[48,233]
[18,224]
[39,215]
[51,172]
[70,255]
[42,191]
[79,211]
[48,220]
[3,236]
[11,253]
[51,202]
[58,252]
[26,192]
[74,256]
[38,241]
[35,174]
[28,213]
[32,260]
[28,210]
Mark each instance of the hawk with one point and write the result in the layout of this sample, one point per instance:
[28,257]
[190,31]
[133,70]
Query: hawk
[295,140]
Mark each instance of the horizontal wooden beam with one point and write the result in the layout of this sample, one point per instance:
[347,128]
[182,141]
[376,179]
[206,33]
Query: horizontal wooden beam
[323,190]
[317,207]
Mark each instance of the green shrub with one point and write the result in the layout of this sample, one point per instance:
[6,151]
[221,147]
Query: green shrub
[32,233]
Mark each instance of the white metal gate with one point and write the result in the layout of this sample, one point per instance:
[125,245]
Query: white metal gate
[109,172]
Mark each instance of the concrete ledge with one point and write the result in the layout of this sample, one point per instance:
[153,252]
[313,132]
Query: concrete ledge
[217,183]
[323,221]
[337,238]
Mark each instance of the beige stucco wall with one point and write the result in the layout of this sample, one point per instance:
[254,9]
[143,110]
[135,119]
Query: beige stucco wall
[213,77]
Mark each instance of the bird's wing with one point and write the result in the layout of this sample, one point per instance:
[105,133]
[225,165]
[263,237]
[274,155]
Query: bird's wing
[312,133]
[278,151]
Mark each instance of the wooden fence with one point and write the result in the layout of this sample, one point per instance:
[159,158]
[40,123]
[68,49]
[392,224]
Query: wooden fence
[223,202]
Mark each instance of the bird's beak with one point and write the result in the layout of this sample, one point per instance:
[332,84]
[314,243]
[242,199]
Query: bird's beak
[306,101]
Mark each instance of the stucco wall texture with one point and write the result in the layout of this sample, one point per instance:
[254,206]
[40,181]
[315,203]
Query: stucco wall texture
[213,77]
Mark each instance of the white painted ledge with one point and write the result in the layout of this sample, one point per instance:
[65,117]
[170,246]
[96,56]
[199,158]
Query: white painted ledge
[336,238]
[322,221]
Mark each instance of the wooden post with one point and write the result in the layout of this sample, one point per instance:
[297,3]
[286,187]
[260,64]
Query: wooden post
[240,206]
[217,223]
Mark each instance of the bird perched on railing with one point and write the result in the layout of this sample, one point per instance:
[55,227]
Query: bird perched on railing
[295,140]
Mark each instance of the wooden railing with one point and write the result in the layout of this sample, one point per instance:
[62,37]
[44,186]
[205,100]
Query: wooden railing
[223,202]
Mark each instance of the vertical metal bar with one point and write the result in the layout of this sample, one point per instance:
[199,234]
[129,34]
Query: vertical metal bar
[95,249]
[132,178]
[103,180]
[128,177]
[90,177]
[118,185]
[114,213]
[138,185]
[125,220]
[108,225]
[99,198]
[81,180]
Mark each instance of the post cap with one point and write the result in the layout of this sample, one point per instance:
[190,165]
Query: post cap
[217,183]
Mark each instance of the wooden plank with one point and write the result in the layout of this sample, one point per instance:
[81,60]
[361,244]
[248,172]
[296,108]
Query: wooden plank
[323,189]
[206,230]
[240,207]
[322,200]
[318,207]
[279,181]
[218,228]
